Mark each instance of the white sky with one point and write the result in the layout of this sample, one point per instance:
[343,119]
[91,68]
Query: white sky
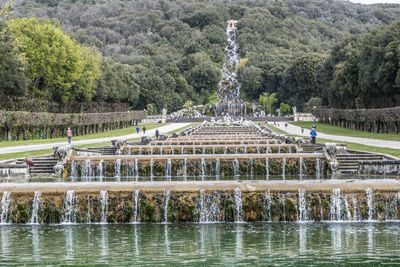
[375,1]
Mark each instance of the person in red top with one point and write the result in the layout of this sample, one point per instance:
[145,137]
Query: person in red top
[69,135]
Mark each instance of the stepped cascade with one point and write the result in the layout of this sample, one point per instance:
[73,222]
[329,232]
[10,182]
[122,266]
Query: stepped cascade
[208,153]
[229,99]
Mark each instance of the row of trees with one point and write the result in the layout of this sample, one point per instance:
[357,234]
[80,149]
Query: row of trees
[166,53]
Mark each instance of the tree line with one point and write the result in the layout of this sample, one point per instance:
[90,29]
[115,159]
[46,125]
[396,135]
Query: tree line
[168,53]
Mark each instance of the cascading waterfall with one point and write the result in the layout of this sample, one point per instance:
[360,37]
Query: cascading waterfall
[289,149]
[70,208]
[225,150]
[89,220]
[168,169]
[172,151]
[279,149]
[87,170]
[267,168]
[35,208]
[213,150]
[336,205]
[166,202]
[118,169]
[238,205]
[100,169]
[236,170]
[74,171]
[182,150]
[283,168]
[203,151]
[161,150]
[104,206]
[268,204]
[194,151]
[184,169]
[368,191]
[136,169]
[5,205]
[302,208]
[207,208]
[203,168]
[258,150]
[301,165]
[136,207]
[268,150]
[229,99]
[355,214]
[217,169]
[318,168]
[347,209]
[151,150]
[251,167]
[151,169]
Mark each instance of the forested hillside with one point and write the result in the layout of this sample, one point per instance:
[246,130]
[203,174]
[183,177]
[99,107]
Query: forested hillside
[168,52]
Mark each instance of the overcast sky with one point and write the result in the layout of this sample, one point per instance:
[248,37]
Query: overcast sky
[375,1]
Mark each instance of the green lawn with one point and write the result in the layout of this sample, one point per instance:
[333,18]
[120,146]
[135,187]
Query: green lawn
[50,151]
[336,130]
[351,146]
[112,133]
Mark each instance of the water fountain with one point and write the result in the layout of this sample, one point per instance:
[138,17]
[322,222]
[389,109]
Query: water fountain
[336,205]
[118,170]
[166,202]
[302,208]
[207,208]
[238,205]
[104,206]
[5,205]
[229,99]
[70,208]
[136,207]
[35,208]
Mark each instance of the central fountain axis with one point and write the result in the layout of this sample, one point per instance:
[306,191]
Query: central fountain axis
[229,99]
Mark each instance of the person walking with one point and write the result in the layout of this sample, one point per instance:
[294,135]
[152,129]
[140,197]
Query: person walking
[302,129]
[157,133]
[313,134]
[144,129]
[137,129]
[69,135]
[286,126]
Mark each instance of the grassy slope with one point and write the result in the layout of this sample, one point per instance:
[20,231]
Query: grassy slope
[336,130]
[112,133]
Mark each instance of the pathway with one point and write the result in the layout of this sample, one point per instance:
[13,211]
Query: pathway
[163,129]
[296,130]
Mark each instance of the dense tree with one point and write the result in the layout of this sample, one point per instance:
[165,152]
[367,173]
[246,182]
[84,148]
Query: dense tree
[173,50]
[59,69]
[12,65]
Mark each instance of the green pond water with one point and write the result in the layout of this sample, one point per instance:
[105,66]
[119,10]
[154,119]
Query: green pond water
[279,244]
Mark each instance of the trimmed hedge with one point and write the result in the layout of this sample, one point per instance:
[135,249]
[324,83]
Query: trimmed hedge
[384,120]
[35,105]
[13,124]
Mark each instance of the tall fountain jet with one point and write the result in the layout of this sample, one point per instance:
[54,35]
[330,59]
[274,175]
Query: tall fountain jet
[229,100]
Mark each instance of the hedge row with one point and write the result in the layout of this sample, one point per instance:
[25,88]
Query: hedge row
[14,124]
[36,105]
[385,120]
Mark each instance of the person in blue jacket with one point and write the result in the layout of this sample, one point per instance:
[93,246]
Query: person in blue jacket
[313,134]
